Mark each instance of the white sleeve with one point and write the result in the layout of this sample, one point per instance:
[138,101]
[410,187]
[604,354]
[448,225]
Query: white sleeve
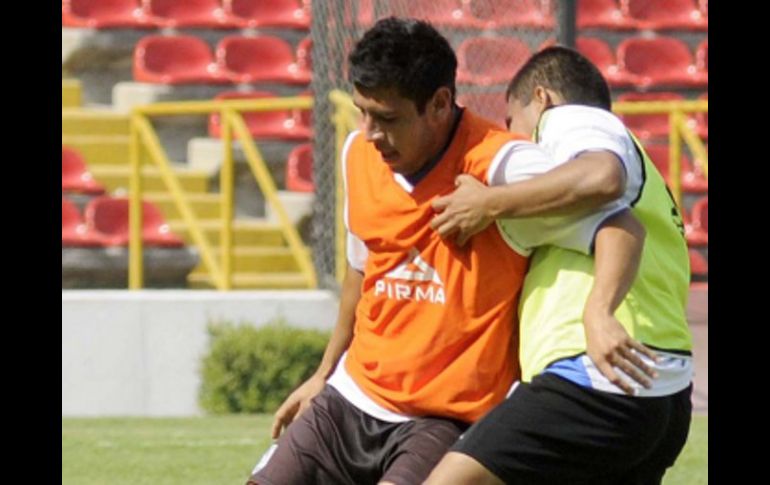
[525,160]
[357,252]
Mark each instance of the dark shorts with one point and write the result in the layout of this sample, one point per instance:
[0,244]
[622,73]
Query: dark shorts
[552,431]
[333,442]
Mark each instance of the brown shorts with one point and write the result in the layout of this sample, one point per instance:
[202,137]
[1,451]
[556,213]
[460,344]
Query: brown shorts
[333,442]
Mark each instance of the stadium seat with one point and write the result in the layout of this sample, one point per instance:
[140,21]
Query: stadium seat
[692,179]
[75,176]
[490,60]
[494,14]
[700,121]
[600,53]
[109,216]
[103,14]
[697,227]
[181,59]
[445,13]
[259,59]
[293,14]
[304,56]
[299,169]
[702,57]
[602,14]
[74,231]
[646,126]
[659,61]
[285,124]
[490,105]
[187,13]
[699,267]
[665,14]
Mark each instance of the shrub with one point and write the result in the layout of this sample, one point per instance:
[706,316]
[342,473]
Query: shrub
[252,370]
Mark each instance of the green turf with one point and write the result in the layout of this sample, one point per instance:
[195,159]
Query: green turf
[223,450]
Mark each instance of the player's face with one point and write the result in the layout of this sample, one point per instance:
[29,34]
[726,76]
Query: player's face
[405,139]
[523,119]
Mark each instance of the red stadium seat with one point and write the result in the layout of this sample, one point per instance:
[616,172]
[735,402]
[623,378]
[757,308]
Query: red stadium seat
[494,14]
[179,59]
[666,14]
[103,14]
[293,14]
[285,124]
[299,169]
[74,231]
[700,121]
[490,60]
[697,226]
[449,13]
[75,176]
[660,61]
[187,13]
[490,105]
[600,53]
[260,59]
[304,57]
[692,179]
[602,14]
[702,57]
[648,126]
[699,267]
[109,216]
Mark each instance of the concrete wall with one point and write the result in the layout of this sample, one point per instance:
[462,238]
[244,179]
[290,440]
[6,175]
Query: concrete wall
[139,353]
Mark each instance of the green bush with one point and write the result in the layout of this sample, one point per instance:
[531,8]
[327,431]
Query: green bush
[252,370]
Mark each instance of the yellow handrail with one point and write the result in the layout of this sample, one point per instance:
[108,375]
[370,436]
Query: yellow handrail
[678,131]
[143,135]
[265,181]
[345,119]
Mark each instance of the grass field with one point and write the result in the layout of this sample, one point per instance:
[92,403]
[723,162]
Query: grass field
[223,450]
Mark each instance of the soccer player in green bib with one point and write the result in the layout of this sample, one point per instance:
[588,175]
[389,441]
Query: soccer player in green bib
[582,413]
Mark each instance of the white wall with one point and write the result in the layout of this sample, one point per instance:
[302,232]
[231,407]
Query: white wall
[139,353]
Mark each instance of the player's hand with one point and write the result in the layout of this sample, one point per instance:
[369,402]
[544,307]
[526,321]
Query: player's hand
[610,347]
[295,404]
[462,212]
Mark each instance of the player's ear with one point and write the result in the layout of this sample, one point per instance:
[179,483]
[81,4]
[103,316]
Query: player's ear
[440,104]
[542,96]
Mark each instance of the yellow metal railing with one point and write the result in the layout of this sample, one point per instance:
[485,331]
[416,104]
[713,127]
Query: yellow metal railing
[679,131]
[143,135]
[346,118]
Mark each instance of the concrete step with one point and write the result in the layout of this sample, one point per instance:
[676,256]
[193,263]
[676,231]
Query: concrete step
[243,281]
[78,121]
[204,206]
[258,260]
[248,233]
[116,177]
[71,93]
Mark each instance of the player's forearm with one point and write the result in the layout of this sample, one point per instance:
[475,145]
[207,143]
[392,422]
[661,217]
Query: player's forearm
[618,251]
[343,330]
[583,184]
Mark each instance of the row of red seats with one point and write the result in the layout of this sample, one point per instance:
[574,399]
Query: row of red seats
[77,179]
[105,223]
[493,14]
[640,62]
[643,14]
[225,14]
[185,59]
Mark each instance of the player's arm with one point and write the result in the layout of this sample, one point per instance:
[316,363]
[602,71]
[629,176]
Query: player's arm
[583,184]
[299,400]
[618,251]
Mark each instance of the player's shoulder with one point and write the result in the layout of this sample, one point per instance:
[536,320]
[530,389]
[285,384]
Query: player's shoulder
[570,116]
[484,139]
